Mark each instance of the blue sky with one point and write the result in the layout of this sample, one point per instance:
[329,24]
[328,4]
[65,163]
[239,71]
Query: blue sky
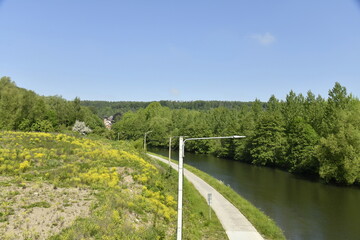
[180,50]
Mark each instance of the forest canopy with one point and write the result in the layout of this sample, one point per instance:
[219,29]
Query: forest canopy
[106,109]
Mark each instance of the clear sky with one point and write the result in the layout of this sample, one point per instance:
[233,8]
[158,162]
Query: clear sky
[141,50]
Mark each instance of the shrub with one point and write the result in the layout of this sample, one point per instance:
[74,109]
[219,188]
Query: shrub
[81,127]
[42,126]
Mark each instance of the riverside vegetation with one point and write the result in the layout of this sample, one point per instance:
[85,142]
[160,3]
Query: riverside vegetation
[58,186]
[305,135]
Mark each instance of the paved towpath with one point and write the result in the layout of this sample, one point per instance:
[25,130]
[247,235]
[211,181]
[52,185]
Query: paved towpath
[233,221]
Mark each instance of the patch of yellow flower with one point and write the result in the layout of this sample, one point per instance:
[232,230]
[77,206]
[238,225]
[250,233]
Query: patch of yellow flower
[101,176]
[21,151]
[24,165]
[162,205]
[68,159]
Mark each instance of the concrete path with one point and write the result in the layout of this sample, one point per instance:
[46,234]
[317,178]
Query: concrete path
[235,224]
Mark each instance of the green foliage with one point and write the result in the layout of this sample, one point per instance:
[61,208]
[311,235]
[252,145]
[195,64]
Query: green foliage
[42,126]
[104,108]
[314,111]
[37,204]
[297,134]
[302,140]
[339,151]
[24,110]
[5,212]
[268,145]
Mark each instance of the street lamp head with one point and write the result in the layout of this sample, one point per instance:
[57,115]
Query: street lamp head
[236,136]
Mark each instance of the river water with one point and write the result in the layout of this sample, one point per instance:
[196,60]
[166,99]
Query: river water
[302,208]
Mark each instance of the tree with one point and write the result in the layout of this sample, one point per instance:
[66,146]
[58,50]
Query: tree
[268,145]
[292,108]
[199,128]
[339,151]
[302,140]
[314,111]
[132,126]
[9,103]
[337,102]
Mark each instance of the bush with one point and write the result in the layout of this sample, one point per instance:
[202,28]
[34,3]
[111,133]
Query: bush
[81,127]
[42,126]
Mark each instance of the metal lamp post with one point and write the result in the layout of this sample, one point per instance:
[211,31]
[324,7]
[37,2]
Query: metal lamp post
[180,183]
[170,150]
[145,139]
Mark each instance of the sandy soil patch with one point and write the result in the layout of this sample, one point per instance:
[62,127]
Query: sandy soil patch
[39,210]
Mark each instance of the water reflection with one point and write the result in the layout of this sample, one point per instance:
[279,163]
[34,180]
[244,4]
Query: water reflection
[303,209]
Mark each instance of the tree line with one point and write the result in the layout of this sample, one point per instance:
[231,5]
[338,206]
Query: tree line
[106,108]
[301,134]
[308,134]
[24,110]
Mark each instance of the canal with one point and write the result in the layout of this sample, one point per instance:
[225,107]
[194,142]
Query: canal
[304,209]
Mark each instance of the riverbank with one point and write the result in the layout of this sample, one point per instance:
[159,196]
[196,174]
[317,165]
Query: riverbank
[258,219]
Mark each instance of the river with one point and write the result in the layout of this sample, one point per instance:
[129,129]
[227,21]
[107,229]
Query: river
[302,208]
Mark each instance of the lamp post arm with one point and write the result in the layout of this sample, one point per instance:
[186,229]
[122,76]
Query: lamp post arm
[170,150]
[205,138]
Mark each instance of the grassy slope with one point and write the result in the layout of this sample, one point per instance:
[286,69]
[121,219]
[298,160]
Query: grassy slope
[265,225]
[127,196]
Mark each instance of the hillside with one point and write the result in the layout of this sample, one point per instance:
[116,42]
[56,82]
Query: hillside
[65,187]
[24,110]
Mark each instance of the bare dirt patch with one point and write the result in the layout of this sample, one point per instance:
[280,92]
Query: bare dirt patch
[39,210]
[127,180]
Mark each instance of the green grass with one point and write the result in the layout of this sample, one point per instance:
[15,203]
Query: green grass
[5,212]
[37,204]
[264,224]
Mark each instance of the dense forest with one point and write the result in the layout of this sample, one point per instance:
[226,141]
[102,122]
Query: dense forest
[302,134]
[24,110]
[106,109]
